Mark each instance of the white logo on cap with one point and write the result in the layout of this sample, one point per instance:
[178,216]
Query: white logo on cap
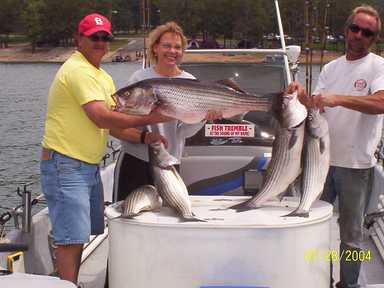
[98,21]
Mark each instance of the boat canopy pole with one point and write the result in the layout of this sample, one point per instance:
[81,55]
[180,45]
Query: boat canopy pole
[282,40]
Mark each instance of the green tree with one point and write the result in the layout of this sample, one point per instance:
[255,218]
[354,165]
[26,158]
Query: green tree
[127,15]
[32,17]
[9,19]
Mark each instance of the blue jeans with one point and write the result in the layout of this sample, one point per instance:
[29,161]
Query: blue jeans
[353,188]
[74,194]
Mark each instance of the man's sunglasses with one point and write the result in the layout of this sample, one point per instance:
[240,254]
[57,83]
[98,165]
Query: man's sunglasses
[367,33]
[104,38]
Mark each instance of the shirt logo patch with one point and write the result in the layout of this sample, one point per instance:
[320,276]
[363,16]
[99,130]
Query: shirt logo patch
[360,84]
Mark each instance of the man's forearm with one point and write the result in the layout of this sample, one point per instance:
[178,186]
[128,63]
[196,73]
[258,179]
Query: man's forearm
[372,104]
[128,134]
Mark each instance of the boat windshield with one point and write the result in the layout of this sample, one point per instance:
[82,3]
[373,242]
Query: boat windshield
[255,78]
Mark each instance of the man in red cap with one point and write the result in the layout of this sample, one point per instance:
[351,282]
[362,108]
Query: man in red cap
[78,121]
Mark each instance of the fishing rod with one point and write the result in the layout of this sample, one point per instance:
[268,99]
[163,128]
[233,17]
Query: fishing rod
[325,32]
[307,42]
[145,6]
[314,23]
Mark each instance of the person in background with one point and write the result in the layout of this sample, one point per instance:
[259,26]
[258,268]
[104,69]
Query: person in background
[167,44]
[350,90]
[78,120]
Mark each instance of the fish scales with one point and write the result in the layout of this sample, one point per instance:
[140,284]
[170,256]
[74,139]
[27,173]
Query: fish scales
[285,166]
[283,169]
[209,98]
[171,191]
[143,198]
[315,162]
[170,185]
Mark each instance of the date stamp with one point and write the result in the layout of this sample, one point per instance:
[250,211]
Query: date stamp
[314,254]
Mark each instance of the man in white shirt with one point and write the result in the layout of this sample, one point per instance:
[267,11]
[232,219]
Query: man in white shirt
[350,90]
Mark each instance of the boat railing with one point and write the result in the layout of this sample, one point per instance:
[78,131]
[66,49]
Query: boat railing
[111,155]
[237,51]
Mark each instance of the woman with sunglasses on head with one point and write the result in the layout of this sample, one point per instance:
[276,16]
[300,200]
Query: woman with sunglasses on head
[351,91]
[166,48]
[79,118]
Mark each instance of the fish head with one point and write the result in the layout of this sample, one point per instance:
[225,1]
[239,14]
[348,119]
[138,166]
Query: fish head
[160,157]
[317,125]
[288,110]
[135,99]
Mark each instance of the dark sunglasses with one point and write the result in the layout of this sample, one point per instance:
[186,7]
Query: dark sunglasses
[104,38]
[367,33]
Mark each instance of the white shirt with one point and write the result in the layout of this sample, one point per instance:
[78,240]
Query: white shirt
[354,135]
[174,131]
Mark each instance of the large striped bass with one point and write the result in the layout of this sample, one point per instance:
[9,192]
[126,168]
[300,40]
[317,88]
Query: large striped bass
[315,162]
[143,198]
[188,100]
[283,169]
[169,183]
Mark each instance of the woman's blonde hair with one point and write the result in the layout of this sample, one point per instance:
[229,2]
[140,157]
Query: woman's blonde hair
[155,35]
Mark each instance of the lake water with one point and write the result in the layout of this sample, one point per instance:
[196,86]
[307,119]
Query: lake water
[23,97]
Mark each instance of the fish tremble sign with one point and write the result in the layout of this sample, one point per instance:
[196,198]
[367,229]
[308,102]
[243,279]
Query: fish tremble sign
[229,130]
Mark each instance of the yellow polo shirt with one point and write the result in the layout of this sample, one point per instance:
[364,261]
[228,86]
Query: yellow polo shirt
[68,130]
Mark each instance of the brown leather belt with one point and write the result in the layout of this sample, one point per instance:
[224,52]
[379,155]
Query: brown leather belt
[46,154]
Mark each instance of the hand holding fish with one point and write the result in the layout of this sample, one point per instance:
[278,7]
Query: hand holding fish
[302,95]
[322,100]
[152,137]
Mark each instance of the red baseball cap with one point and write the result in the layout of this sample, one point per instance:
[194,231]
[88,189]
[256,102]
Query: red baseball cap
[93,23]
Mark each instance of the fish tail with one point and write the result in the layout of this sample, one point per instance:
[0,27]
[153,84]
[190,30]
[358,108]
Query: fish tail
[244,206]
[192,218]
[298,213]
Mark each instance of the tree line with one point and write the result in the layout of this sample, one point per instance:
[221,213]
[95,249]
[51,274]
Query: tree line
[53,22]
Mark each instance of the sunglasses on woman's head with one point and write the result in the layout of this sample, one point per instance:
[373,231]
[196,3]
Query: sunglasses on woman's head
[103,38]
[367,33]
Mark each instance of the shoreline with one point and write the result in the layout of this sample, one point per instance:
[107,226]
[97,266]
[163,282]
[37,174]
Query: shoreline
[22,53]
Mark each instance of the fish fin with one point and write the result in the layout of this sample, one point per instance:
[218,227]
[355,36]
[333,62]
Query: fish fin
[243,206]
[117,217]
[322,145]
[234,116]
[177,175]
[193,218]
[293,139]
[294,189]
[129,216]
[231,83]
[298,213]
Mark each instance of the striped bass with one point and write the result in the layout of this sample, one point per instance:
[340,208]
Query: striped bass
[315,162]
[188,100]
[143,198]
[283,169]
[169,183]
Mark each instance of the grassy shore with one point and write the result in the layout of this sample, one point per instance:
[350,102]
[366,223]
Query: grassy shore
[22,52]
